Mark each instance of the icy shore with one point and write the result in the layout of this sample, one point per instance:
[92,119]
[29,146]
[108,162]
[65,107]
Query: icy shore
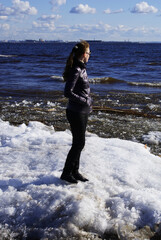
[123,193]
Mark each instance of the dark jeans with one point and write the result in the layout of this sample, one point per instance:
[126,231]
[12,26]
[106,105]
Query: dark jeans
[78,123]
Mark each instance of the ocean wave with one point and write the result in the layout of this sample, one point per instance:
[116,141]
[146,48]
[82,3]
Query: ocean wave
[146,84]
[122,64]
[104,80]
[38,76]
[57,78]
[108,80]
[7,56]
[154,63]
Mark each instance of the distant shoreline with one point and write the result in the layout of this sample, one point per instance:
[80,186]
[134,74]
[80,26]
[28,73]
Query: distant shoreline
[62,41]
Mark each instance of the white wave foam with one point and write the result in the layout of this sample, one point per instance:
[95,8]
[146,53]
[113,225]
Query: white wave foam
[57,77]
[146,84]
[7,56]
[104,80]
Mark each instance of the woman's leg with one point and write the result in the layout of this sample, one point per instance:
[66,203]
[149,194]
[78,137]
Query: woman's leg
[78,123]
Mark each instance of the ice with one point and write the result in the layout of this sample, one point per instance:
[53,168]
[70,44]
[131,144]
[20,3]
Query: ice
[123,191]
[153,137]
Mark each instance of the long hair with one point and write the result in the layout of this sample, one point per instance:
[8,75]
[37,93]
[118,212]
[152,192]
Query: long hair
[78,50]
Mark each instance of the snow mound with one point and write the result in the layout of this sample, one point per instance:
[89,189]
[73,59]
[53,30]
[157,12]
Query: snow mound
[123,188]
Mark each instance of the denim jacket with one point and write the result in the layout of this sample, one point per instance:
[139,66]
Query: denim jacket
[77,89]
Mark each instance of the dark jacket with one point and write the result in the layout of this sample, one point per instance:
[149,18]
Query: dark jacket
[77,88]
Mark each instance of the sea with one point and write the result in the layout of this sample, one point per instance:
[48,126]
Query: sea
[133,67]
[125,81]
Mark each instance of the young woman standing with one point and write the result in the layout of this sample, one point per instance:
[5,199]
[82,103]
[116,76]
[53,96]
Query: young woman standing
[77,90]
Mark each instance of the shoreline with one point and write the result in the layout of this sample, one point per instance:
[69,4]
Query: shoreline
[116,115]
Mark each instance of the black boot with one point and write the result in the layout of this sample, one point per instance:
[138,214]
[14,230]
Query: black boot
[69,178]
[79,177]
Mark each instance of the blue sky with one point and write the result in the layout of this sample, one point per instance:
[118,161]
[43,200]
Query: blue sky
[109,20]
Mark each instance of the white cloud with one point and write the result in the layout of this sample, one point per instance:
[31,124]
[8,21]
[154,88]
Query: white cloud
[4,27]
[23,7]
[46,22]
[107,31]
[83,9]
[56,3]
[44,25]
[108,11]
[88,28]
[3,17]
[18,7]
[122,28]
[143,7]
[5,11]
[101,31]
[49,17]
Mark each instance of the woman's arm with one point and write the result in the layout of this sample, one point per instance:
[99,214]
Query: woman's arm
[69,87]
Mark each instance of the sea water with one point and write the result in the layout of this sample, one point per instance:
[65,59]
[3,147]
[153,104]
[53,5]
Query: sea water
[134,67]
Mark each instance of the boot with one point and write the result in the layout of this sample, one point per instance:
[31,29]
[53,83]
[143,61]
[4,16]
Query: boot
[69,178]
[79,177]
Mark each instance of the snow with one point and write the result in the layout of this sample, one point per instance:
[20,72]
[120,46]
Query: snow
[123,188]
[153,137]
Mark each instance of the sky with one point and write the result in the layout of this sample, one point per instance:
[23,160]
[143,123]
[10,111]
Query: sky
[68,20]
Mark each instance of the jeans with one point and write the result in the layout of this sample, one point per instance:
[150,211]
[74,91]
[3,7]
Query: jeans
[78,123]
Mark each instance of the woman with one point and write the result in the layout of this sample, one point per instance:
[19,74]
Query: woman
[77,90]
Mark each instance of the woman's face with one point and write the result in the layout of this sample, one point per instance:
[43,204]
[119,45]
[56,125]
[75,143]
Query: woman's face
[87,55]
